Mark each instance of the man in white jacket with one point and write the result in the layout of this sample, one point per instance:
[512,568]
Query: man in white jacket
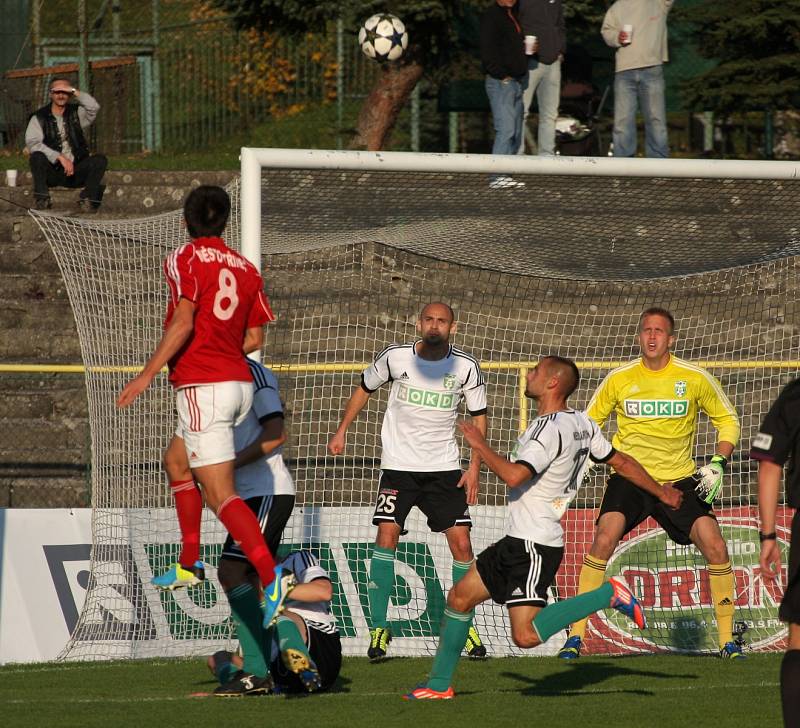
[638,30]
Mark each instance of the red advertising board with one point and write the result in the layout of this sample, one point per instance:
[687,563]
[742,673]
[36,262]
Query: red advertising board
[673,584]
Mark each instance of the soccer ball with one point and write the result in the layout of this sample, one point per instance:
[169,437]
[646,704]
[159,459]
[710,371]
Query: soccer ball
[383,37]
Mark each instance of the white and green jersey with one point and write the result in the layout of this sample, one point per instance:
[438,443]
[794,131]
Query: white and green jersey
[418,432]
[555,448]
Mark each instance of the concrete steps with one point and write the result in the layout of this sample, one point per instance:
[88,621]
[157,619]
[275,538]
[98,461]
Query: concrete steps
[44,432]
[127,194]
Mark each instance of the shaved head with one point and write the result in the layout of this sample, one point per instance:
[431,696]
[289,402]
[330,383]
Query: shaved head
[431,308]
[566,372]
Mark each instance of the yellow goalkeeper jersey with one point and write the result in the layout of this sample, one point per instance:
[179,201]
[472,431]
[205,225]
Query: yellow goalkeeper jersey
[657,414]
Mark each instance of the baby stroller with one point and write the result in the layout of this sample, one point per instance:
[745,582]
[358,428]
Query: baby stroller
[576,125]
[581,107]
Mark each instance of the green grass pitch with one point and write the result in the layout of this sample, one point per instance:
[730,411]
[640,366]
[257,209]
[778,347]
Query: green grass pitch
[663,691]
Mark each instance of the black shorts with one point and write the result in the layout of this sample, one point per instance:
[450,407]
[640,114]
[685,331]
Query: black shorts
[272,512]
[437,495]
[519,573]
[624,497]
[790,606]
[325,649]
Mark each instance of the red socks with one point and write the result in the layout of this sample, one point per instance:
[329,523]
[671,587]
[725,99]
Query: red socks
[189,505]
[243,527]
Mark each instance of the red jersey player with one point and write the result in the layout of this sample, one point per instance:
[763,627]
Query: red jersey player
[217,311]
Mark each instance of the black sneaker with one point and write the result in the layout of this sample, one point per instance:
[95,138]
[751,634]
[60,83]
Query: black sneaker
[87,206]
[243,683]
[474,647]
[42,203]
[379,639]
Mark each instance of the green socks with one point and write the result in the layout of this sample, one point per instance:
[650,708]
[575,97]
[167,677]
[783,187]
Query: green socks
[381,583]
[455,627]
[247,615]
[560,615]
[289,637]
[223,671]
[460,568]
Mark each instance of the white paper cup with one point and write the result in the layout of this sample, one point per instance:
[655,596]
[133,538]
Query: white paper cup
[530,44]
[11,177]
[628,30]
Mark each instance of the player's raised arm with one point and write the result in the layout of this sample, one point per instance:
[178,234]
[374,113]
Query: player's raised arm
[354,405]
[629,468]
[175,336]
[512,474]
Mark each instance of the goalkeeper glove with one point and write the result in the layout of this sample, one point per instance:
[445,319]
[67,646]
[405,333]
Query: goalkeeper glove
[709,479]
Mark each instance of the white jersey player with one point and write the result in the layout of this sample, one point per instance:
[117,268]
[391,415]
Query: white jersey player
[543,474]
[556,449]
[421,459]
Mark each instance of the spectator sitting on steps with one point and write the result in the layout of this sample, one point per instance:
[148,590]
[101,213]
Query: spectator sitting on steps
[59,152]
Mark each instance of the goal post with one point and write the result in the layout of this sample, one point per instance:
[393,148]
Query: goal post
[352,244]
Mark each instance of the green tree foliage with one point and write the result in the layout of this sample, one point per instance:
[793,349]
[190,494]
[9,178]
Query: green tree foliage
[756,44]
[436,31]
[435,28]
[584,19]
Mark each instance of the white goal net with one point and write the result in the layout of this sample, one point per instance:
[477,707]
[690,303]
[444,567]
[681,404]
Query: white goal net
[353,245]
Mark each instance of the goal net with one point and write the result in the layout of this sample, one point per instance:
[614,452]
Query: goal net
[353,245]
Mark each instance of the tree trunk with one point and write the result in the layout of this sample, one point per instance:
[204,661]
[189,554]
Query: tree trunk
[381,108]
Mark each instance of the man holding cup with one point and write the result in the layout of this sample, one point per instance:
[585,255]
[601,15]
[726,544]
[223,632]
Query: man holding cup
[502,49]
[638,30]
[59,152]
[545,42]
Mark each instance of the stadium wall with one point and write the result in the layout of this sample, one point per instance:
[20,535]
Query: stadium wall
[44,578]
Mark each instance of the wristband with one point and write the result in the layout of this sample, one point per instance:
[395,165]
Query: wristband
[721,459]
[767,536]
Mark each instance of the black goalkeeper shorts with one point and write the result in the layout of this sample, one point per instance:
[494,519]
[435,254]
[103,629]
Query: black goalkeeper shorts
[790,606]
[624,497]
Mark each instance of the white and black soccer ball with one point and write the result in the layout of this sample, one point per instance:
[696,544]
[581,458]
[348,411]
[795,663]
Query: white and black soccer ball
[383,37]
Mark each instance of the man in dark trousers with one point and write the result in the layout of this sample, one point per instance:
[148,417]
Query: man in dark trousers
[59,152]
[776,444]
[506,66]
[544,19]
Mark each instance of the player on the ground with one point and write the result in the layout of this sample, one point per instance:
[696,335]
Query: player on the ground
[421,459]
[778,442]
[656,399]
[305,651]
[543,474]
[264,483]
[217,310]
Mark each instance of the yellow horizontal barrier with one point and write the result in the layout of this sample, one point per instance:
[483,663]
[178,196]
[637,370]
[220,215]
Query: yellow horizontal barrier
[521,367]
[360,366]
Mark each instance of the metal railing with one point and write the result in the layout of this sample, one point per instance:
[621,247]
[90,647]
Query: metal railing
[45,458]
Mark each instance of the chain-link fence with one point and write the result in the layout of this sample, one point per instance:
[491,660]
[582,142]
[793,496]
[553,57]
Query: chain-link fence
[173,75]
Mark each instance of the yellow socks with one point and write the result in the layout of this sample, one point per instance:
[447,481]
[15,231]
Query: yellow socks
[592,575]
[720,577]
